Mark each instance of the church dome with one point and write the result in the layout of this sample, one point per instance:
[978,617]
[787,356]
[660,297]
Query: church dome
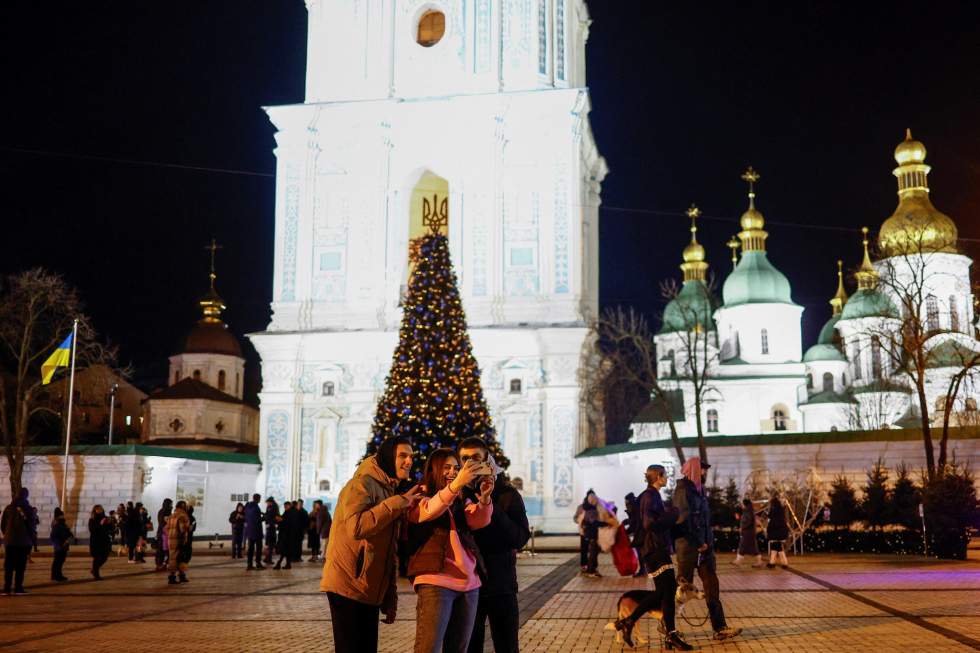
[916,226]
[692,308]
[211,338]
[755,281]
[825,349]
[868,302]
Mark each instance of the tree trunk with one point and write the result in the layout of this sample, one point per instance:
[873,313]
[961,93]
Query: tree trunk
[702,449]
[676,441]
[926,432]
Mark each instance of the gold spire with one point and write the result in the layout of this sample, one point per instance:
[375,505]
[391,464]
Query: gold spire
[867,276]
[838,300]
[733,244]
[753,234]
[916,226]
[211,304]
[694,266]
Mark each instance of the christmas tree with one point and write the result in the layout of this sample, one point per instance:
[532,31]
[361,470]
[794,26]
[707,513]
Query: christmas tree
[432,393]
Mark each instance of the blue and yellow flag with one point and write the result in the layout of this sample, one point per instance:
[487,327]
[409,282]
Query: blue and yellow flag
[60,358]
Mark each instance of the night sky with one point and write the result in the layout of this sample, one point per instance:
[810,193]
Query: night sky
[134,133]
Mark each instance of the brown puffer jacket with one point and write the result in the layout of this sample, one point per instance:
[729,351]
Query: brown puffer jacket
[178,529]
[361,551]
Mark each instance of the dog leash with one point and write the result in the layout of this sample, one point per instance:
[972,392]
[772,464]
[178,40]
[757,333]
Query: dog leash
[683,616]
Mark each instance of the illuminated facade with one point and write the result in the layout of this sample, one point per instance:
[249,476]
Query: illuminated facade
[478,102]
[760,380]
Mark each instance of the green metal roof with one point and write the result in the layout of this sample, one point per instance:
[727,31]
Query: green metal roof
[654,412]
[826,336]
[693,306]
[950,354]
[830,398]
[822,353]
[755,281]
[148,450]
[868,302]
[827,437]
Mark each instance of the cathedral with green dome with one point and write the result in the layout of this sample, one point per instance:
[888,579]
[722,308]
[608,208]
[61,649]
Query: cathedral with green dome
[739,358]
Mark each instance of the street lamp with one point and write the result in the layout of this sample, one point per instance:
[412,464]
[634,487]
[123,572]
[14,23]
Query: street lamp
[112,408]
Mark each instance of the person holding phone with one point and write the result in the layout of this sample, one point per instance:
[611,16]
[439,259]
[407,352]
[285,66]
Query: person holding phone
[359,575]
[498,543]
[445,565]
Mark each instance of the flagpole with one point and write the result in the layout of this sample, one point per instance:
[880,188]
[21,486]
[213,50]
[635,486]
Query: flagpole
[71,400]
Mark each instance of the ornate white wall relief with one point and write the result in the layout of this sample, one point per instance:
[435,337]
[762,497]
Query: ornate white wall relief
[481,57]
[330,247]
[563,430]
[521,244]
[276,451]
[290,230]
[561,230]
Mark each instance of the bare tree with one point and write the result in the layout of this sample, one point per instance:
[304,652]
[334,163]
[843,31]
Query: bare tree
[697,340]
[37,309]
[915,340]
[625,345]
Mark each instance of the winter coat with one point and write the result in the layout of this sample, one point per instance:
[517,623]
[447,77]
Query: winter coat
[323,523]
[501,539]
[694,516]
[237,521]
[178,529]
[99,536]
[362,549]
[162,515]
[655,520]
[747,543]
[15,524]
[253,521]
[777,529]
[60,534]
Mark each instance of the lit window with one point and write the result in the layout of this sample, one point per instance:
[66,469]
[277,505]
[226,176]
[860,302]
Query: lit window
[712,420]
[432,27]
[765,341]
[515,386]
[129,420]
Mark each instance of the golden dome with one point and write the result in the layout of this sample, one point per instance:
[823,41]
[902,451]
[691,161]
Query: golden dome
[840,298]
[752,219]
[753,235]
[694,267]
[916,226]
[910,150]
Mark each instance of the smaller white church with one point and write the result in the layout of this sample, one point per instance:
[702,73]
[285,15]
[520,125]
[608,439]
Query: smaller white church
[740,360]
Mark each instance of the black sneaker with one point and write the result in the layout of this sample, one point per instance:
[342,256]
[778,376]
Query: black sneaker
[171,580]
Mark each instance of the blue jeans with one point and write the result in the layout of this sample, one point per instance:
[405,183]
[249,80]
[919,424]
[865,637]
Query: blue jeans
[444,619]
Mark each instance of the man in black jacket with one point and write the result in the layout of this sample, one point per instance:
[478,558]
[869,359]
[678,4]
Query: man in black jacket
[499,543]
[654,521]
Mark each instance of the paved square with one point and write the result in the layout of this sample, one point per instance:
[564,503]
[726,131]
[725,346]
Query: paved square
[824,603]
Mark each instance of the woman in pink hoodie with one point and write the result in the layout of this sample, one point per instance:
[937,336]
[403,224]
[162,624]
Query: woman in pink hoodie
[445,564]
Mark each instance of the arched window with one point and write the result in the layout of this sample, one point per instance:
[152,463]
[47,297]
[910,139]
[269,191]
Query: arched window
[712,420]
[828,382]
[954,314]
[932,314]
[856,361]
[779,418]
[765,341]
[197,375]
[673,365]
[809,380]
[221,380]
[328,389]
[875,357]
[176,376]
[515,386]
[843,380]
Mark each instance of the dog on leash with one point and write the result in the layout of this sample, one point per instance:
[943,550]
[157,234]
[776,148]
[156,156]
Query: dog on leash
[629,600]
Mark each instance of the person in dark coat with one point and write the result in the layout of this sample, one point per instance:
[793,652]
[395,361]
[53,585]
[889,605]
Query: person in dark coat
[16,528]
[498,544]
[654,520]
[302,519]
[748,545]
[312,532]
[777,532]
[591,523]
[133,527]
[237,521]
[271,519]
[60,541]
[193,527]
[99,539]
[162,554]
[253,532]
[694,542]
[286,535]
[323,523]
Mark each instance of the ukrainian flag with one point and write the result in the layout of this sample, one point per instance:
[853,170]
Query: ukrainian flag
[60,358]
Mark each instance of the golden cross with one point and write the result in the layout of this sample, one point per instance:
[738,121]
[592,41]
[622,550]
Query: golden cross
[213,247]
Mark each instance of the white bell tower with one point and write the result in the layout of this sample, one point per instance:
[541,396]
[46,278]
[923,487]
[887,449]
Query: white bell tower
[482,104]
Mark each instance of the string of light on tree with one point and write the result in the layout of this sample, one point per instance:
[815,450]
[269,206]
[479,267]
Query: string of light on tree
[433,393]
